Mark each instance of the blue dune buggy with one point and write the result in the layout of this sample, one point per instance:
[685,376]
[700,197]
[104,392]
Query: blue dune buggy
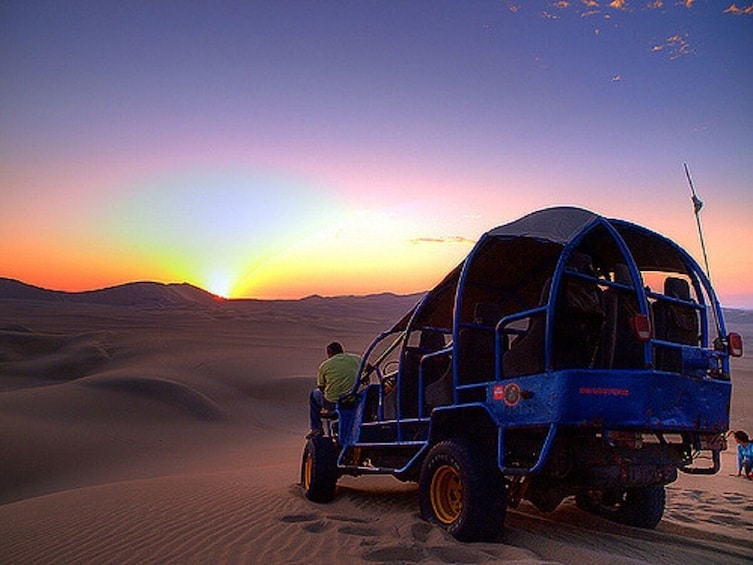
[568,355]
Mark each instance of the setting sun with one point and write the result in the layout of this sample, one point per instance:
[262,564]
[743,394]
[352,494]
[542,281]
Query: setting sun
[219,283]
[361,160]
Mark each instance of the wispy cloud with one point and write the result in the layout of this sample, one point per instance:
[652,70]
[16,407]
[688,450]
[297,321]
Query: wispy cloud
[675,46]
[587,8]
[746,11]
[590,8]
[455,239]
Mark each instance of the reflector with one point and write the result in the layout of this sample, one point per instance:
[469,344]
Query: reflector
[735,342]
[641,326]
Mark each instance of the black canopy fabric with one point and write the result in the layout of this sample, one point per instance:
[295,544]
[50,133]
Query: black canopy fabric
[558,225]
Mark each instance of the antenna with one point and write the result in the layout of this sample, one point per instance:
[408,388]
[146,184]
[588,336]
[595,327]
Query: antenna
[697,205]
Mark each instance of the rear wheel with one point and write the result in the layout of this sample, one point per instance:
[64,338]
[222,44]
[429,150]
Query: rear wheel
[319,469]
[462,491]
[641,507]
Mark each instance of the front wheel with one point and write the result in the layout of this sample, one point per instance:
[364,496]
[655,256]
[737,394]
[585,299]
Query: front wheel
[319,469]
[462,490]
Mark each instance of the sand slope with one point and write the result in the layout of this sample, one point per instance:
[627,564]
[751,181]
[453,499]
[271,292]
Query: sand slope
[172,433]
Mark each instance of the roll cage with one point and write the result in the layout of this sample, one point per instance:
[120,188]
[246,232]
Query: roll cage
[549,323]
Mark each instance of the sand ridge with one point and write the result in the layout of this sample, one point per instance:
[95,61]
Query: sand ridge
[173,434]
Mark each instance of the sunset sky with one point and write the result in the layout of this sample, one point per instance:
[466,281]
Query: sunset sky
[277,149]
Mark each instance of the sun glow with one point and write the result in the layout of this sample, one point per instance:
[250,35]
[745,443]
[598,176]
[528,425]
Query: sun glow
[368,251]
[220,283]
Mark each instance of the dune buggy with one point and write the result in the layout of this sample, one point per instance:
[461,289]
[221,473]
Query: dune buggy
[568,355]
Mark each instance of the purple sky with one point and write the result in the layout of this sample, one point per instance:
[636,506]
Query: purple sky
[283,148]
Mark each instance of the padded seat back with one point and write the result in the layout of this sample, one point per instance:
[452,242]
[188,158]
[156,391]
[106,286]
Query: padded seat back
[674,322]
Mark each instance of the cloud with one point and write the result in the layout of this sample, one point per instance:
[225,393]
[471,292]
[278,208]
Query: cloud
[590,8]
[451,239]
[675,46]
[587,8]
[733,9]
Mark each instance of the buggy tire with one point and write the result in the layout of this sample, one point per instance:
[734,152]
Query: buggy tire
[643,507]
[319,469]
[462,491]
[638,507]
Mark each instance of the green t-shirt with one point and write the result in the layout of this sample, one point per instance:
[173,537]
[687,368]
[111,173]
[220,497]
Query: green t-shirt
[337,375]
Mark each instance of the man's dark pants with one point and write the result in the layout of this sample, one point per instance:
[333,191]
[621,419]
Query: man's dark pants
[317,403]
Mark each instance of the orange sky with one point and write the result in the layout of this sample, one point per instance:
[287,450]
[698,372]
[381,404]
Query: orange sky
[280,150]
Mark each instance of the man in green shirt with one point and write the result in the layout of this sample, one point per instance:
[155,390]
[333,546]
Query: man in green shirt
[336,377]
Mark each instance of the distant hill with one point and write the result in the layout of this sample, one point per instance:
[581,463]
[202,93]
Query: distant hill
[738,316]
[184,294]
[161,295]
[129,294]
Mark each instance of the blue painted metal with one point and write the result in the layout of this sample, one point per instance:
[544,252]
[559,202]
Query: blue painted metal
[611,399]
[642,399]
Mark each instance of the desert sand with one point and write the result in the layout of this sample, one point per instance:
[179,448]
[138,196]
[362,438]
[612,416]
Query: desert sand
[171,432]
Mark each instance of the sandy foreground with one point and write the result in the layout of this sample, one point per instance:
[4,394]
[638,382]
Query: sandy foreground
[172,435]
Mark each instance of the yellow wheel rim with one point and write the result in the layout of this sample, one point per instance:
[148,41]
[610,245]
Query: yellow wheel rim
[308,466]
[446,493]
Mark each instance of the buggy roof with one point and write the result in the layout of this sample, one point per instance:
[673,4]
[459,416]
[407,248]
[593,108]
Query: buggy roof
[559,224]
[537,238]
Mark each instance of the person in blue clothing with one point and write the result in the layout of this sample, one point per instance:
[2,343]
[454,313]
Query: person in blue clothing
[744,455]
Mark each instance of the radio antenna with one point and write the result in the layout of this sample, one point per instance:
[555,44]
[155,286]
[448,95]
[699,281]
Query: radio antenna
[697,205]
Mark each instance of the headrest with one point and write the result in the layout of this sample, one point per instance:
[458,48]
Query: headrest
[677,288]
[486,313]
[581,262]
[622,274]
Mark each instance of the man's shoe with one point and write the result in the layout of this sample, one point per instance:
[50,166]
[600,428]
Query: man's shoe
[314,433]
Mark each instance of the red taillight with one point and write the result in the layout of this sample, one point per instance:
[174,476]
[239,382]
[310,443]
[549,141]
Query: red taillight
[641,326]
[735,345]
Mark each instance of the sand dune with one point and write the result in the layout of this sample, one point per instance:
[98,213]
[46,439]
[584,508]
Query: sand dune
[172,432]
[129,294]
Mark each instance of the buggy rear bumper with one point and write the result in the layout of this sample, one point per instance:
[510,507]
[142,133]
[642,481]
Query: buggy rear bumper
[600,404]
[640,400]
